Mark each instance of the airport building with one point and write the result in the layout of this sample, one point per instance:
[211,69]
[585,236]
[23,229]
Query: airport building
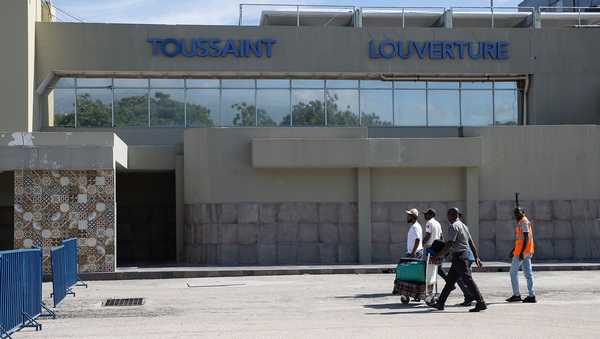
[299,136]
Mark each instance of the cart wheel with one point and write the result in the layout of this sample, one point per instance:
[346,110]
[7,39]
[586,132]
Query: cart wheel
[404,299]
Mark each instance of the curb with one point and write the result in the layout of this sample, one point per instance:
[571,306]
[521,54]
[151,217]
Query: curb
[249,272]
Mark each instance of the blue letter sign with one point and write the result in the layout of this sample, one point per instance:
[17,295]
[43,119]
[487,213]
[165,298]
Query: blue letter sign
[438,49]
[202,47]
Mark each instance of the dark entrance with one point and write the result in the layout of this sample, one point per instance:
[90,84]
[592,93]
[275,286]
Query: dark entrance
[146,218]
[7,193]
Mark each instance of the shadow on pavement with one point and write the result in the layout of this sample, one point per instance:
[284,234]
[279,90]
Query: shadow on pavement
[393,306]
[366,296]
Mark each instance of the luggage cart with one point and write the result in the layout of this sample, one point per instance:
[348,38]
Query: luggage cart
[425,290]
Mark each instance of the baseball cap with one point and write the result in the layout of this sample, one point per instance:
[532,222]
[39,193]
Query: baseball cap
[413,211]
[455,209]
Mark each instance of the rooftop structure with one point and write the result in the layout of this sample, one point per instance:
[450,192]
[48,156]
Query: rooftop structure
[418,17]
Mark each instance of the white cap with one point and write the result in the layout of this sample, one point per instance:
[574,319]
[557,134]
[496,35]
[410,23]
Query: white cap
[413,211]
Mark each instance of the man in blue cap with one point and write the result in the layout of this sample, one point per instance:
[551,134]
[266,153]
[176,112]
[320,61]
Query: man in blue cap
[458,242]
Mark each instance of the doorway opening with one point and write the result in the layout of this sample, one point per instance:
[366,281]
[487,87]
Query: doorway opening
[7,210]
[146,225]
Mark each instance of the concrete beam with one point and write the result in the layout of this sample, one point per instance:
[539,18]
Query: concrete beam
[61,150]
[357,153]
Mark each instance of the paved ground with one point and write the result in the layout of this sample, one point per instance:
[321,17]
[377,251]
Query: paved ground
[321,306]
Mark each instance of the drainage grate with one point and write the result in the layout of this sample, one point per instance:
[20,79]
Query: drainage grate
[124,302]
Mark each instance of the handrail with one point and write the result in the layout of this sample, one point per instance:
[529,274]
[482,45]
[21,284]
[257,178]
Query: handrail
[360,11]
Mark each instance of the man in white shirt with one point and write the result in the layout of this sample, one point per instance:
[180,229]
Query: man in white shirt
[433,229]
[414,240]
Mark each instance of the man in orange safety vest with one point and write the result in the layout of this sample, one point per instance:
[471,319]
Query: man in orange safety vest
[522,253]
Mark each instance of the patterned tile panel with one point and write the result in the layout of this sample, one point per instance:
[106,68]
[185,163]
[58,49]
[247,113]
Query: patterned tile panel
[54,205]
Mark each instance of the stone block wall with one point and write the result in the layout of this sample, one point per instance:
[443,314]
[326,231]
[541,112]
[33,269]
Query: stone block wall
[563,229]
[271,233]
[389,229]
[51,206]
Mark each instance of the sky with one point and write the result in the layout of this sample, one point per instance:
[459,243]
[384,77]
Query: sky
[217,12]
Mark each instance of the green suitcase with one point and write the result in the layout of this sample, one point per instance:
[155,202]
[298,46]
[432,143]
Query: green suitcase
[411,271]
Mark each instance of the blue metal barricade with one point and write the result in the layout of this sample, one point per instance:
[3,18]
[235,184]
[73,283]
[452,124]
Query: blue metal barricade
[59,285]
[32,283]
[20,290]
[72,263]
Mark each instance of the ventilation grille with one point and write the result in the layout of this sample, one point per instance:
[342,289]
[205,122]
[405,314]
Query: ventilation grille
[124,302]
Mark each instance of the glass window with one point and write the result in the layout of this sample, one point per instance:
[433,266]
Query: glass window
[308,83]
[410,107]
[444,108]
[341,83]
[166,83]
[376,108]
[64,107]
[505,85]
[203,83]
[506,107]
[274,83]
[238,108]
[141,83]
[476,85]
[65,83]
[93,82]
[375,84]
[273,107]
[442,85]
[131,107]
[167,108]
[410,84]
[307,107]
[237,83]
[202,107]
[94,108]
[477,108]
[342,107]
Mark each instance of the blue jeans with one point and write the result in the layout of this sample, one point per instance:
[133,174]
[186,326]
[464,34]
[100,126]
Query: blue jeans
[527,270]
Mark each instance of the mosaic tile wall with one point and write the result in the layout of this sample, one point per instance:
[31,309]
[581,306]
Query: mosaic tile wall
[54,205]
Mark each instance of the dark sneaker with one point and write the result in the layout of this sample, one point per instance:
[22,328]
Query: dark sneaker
[514,298]
[436,305]
[530,300]
[466,303]
[480,306]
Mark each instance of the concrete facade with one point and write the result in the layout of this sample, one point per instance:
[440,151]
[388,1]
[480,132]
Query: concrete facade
[280,195]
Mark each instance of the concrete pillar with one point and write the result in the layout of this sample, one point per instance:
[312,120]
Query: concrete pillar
[17,64]
[364,215]
[179,208]
[447,18]
[472,189]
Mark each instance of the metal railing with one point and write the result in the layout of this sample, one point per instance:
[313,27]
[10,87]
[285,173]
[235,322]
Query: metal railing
[298,9]
[20,290]
[493,12]
[401,10]
[581,14]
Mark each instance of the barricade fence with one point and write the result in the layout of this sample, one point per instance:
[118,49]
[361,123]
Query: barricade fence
[59,275]
[71,263]
[20,290]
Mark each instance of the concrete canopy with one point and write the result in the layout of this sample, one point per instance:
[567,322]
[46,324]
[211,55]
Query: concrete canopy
[61,150]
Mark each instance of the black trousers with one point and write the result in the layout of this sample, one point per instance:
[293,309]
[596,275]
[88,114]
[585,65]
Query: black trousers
[459,282]
[460,269]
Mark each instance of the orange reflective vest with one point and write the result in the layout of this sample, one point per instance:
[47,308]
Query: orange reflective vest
[523,224]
